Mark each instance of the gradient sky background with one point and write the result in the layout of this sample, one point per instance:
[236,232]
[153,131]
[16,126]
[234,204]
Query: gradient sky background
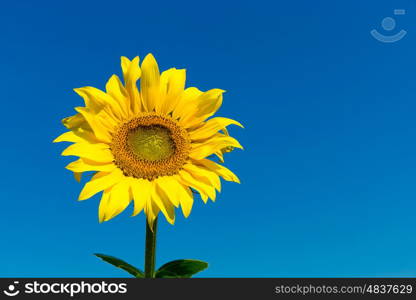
[329,168]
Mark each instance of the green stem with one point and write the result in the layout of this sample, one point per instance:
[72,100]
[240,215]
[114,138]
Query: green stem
[150,250]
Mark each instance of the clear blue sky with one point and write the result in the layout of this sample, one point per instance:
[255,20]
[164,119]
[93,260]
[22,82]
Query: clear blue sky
[329,168]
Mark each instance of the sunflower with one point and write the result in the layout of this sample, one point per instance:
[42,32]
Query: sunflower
[151,146]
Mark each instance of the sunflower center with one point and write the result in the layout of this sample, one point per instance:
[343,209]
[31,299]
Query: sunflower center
[150,146]
[151,143]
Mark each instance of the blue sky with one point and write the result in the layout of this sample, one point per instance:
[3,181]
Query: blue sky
[329,167]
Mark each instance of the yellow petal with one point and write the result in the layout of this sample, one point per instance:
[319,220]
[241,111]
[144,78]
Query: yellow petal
[150,83]
[213,145]
[170,185]
[202,108]
[172,84]
[96,100]
[116,90]
[151,210]
[203,189]
[218,169]
[211,127]
[161,200]
[220,155]
[75,121]
[132,73]
[102,129]
[96,152]
[69,136]
[204,175]
[141,189]
[103,205]
[80,127]
[116,201]
[209,102]
[177,193]
[84,165]
[186,198]
[99,182]
[186,101]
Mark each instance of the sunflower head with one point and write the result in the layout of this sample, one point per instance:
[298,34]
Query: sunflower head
[150,146]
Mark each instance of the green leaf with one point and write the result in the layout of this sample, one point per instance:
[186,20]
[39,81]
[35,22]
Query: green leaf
[181,268]
[121,264]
